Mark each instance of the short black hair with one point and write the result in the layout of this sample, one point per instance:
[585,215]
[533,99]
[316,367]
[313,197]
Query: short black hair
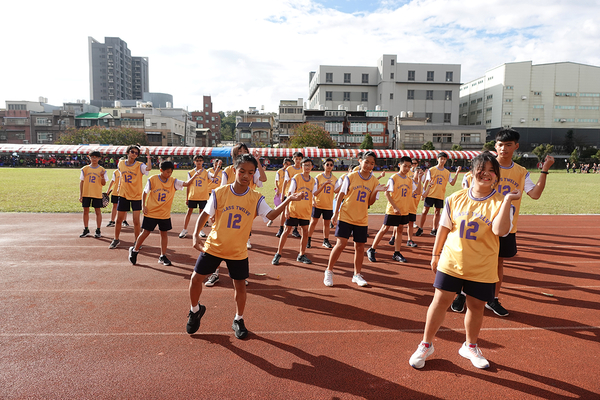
[360,154]
[133,146]
[369,154]
[508,135]
[330,160]
[287,159]
[479,162]
[95,153]
[235,150]
[198,157]
[405,159]
[242,158]
[298,154]
[165,165]
[307,160]
[442,154]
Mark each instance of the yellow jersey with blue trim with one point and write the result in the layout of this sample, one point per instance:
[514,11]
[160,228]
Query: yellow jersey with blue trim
[438,179]
[401,191]
[355,207]
[290,172]
[234,214]
[324,200]
[230,175]
[302,209]
[416,197]
[512,178]
[199,188]
[92,181]
[131,183]
[471,248]
[280,180]
[216,181]
[160,196]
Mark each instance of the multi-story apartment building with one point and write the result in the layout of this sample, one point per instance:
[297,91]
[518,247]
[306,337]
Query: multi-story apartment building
[541,101]
[291,114]
[254,128]
[426,90]
[114,73]
[207,118]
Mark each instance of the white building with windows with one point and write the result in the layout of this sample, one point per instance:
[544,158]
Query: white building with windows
[541,101]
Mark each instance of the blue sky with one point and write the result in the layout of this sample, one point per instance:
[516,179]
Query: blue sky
[252,54]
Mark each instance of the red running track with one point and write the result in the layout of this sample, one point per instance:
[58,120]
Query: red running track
[79,321]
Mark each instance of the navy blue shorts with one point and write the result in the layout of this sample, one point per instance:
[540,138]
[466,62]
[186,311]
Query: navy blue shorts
[479,290]
[114,199]
[508,246]
[344,230]
[129,205]
[431,202]
[163,224]
[296,222]
[412,217]
[86,202]
[395,220]
[317,212]
[197,204]
[207,264]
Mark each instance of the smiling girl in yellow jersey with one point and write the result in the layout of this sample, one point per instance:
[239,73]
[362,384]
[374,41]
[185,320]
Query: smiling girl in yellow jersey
[465,256]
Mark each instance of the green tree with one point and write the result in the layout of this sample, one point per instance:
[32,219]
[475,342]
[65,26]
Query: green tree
[574,156]
[569,143]
[428,146]
[367,142]
[489,146]
[542,151]
[102,135]
[456,147]
[310,135]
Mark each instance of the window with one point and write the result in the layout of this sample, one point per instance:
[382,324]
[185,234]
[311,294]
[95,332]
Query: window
[42,121]
[410,94]
[589,94]
[329,77]
[588,107]
[508,113]
[508,100]
[393,61]
[449,76]
[365,78]
[328,96]
[488,121]
[411,75]
[488,109]
[364,96]
[429,116]
[212,118]
[564,107]
[358,127]
[334,127]
[44,137]
[429,76]
[346,96]
[413,137]
[510,87]
[479,100]
[392,75]
[429,95]
[347,78]
[490,96]
[588,120]
[376,127]
[245,135]
[537,93]
[448,95]
[447,117]
[540,106]
[391,96]
[536,119]
[566,94]
[377,139]
[442,138]
[471,137]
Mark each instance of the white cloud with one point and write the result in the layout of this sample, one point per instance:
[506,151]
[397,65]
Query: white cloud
[251,54]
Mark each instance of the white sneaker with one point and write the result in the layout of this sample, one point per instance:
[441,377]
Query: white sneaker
[248,245]
[183,234]
[328,280]
[270,222]
[214,278]
[474,354]
[417,360]
[359,280]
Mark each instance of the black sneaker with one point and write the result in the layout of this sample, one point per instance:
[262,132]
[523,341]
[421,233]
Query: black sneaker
[214,278]
[194,318]
[392,241]
[295,233]
[276,259]
[125,224]
[133,255]
[239,328]
[110,224]
[303,259]
[164,260]
[327,244]
[419,232]
[496,307]
[114,244]
[433,232]
[458,305]
[398,257]
[308,243]
[86,232]
[371,255]
[279,232]
[410,243]
[97,235]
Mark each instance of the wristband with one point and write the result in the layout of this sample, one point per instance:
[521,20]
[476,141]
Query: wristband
[544,172]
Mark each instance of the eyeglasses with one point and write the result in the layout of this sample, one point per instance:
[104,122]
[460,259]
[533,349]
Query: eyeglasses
[329,165]
[415,163]
[134,152]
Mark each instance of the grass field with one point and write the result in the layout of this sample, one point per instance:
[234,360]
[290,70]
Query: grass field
[57,190]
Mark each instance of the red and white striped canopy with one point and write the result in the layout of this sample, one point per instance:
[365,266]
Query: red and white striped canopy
[311,152]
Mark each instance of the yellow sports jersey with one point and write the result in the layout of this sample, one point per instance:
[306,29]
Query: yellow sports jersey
[199,188]
[234,214]
[512,178]
[324,200]
[160,197]
[92,181]
[117,179]
[131,185]
[402,194]
[292,171]
[439,180]
[230,172]
[357,168]
[468,179]
[280,180]
[416,197]
[355,207]
[471,248]
[216,182]
[302,209]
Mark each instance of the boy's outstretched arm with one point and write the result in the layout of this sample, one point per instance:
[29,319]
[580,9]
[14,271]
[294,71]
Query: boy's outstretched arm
[277,211]
[199,225]
[536,192]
